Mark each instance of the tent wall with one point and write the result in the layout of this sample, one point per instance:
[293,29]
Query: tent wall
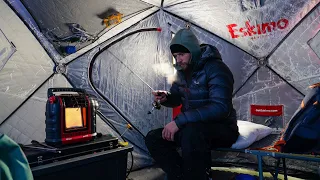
[240,63]
[6,49]
[28,20]
[116,73]
[143,54]
[25,78]
[295,59]
[266,88]
[26,69]
[217,16]
[28,122]
[263,87]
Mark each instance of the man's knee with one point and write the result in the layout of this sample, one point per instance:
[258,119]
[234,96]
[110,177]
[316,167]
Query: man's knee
[153,136]
[193,139]
[192,131]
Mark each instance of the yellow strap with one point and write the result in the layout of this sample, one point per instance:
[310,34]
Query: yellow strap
[123,143]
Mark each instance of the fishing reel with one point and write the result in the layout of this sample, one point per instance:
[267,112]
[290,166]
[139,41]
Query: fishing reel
[155,105]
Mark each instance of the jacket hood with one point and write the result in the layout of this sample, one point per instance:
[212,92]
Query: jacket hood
[186,38]
[208,53]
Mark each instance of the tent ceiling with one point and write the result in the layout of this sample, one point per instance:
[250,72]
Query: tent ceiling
[153,2]
[167,3]
[112,32]
[54,15]
[217,16]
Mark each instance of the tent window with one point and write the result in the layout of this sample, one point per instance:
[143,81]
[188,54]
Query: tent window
[6,49]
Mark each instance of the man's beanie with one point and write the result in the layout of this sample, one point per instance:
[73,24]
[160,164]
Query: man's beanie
[176,48]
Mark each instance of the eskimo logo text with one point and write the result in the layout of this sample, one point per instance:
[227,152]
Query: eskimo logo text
[258,29]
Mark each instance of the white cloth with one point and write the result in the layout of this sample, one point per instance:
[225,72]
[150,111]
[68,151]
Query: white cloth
[249,133]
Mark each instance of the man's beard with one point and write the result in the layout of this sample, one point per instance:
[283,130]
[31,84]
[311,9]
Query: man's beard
[181,66]
[184,66]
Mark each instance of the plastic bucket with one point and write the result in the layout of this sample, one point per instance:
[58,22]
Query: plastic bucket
[245,177]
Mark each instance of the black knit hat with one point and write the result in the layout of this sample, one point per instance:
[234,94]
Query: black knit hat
[176,48]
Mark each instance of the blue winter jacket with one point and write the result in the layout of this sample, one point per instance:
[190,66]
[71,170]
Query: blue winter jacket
[206,93]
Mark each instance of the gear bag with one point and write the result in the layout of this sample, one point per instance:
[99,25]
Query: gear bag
[302,133]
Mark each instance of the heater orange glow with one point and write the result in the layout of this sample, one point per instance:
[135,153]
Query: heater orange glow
[73,118]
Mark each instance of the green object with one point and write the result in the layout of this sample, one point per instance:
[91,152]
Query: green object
[13,163]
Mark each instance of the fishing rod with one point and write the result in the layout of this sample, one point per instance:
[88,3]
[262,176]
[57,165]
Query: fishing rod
[155,104]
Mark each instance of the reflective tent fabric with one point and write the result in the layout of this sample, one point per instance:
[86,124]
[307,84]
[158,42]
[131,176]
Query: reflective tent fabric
[270,46]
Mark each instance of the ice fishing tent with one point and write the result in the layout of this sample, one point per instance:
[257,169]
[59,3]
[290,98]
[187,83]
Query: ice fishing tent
[272,48]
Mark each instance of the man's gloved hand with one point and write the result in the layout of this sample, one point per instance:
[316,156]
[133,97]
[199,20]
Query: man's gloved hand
[169,130]
[160,96]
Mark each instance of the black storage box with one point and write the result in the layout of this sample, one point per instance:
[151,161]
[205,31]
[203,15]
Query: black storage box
[100,159]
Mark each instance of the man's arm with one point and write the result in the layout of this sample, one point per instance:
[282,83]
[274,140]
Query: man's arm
[220,86]
[173,97]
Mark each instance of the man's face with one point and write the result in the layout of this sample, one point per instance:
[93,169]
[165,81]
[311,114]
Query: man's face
[182,59]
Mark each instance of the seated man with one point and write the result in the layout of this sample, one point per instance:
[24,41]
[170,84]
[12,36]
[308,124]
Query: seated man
[204,86]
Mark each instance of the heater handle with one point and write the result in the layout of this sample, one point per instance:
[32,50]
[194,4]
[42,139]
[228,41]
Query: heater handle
[51,90]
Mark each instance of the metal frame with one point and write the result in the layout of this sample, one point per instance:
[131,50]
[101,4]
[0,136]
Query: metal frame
[277,155]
